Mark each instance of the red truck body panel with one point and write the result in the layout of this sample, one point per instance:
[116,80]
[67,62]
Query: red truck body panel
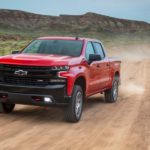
[96,80]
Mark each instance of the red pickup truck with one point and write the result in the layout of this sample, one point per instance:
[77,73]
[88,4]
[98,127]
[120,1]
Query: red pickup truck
[58,71]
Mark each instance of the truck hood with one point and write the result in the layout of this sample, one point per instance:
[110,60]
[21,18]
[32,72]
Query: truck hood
[39,60]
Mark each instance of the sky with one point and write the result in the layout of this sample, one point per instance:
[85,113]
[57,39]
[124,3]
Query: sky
[126,9]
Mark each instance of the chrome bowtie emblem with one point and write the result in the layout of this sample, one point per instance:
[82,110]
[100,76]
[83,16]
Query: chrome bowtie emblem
[21,72]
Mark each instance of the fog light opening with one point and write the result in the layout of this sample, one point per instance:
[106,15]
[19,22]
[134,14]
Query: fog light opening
[48,100]
[37,98]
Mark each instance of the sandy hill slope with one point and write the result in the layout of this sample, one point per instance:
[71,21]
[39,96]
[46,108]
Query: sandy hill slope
[87,22]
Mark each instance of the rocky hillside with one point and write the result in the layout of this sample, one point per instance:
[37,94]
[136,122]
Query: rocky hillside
[88,22]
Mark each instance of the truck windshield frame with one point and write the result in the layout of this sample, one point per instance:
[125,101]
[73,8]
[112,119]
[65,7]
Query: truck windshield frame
[71,48]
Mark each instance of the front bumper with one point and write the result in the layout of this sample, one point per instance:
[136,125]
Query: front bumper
[26,94]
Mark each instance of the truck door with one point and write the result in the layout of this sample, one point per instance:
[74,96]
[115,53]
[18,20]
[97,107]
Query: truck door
[93,70]
[104,68]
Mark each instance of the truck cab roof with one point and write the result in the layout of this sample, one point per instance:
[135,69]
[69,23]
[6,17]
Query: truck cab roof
[67,38]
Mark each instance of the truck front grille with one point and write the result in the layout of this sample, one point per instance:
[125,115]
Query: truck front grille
[36,76]
[26,80]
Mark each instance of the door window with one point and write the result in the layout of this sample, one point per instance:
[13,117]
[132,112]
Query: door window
[89,50]
[99,49]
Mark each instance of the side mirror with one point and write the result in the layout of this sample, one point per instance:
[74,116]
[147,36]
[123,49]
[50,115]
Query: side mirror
[15,52]
[94,57]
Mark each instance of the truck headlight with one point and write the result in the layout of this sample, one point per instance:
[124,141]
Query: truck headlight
[60,68]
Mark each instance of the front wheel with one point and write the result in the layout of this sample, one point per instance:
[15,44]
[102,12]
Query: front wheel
[111,95]
[6,108]
[74,109]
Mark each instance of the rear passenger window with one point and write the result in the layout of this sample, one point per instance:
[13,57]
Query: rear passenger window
[89,50]
[99,49]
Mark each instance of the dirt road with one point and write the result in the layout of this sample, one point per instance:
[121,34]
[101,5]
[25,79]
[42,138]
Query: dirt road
[124,125]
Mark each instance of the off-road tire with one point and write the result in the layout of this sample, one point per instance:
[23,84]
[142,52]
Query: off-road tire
[111,95]
[72,114]
[6,108]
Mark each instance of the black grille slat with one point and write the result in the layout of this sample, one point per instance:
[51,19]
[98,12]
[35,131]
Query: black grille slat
[24,80]
[25,67]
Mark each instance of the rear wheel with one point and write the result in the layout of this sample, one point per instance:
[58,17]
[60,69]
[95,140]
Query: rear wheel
[6,108]
[111,95]
[74,109]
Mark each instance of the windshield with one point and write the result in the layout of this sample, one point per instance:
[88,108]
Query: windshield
[57,47]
